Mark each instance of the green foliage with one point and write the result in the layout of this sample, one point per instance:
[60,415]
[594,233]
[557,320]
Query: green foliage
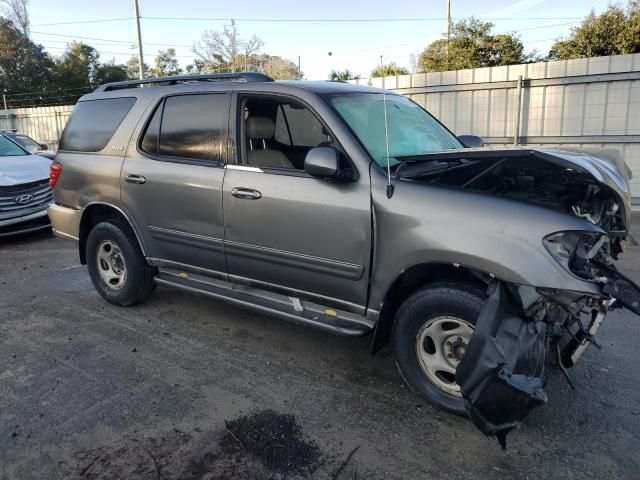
[389,70]
[110,72]
[342,75]
[166,64]
[614,32]
[78,66]
[472,45]
[24,66]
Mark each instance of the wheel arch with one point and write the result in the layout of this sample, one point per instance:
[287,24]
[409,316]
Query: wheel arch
[409,280]
[95,213]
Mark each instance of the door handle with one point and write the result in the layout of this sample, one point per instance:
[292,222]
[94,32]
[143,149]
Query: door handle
[137,179]
[246,193]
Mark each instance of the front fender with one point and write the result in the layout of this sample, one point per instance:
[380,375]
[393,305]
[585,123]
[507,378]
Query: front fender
[424,223]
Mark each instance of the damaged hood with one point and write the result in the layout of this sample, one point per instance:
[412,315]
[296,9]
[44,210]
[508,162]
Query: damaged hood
[606,166]
[563,179]
[16,170]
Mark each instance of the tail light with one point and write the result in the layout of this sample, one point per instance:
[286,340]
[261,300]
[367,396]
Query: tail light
[54,174]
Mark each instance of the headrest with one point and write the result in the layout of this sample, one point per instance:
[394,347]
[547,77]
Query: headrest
[260,127]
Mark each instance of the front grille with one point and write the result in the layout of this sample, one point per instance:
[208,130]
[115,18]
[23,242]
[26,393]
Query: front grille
[40,193]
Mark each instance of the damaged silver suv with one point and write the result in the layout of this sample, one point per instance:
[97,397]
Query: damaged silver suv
[352,210]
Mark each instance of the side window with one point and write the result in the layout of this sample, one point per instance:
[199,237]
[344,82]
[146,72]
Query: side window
[303,126]
[150,139]
[190,127]
[278,133]
[282,134]
[93,123]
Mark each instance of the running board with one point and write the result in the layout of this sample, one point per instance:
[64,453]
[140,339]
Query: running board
[292,309]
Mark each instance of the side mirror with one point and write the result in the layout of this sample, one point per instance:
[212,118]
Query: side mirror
[43,146]
[471,141]
[322,162]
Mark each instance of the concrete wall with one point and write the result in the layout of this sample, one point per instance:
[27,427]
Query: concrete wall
[583,103]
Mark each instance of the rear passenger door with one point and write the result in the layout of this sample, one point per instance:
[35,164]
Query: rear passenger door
[171,181]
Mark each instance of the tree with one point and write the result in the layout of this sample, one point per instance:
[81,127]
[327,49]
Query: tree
[342,75]
[78,66]
[110,72]
[279,68]
[614,32]
[133,72]
[472,45]
[389,70]
[196,67]
[166,64]
[16,11]
[24,66]
[227,51]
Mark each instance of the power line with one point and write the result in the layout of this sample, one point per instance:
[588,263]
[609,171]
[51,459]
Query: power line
[84,38]
[298,20]
[107,52]
[83,21]
[345,20]
[548,26]
[114,41]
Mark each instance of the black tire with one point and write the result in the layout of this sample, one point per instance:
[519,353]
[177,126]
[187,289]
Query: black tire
[138,282]
[428,303]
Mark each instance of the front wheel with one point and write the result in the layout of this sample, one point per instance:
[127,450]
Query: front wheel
[116,265]
[431,332]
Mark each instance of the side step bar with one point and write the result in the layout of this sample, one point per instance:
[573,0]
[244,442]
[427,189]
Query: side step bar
[287,308]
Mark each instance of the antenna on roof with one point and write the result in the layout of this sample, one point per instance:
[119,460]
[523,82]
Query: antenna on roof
[386,134]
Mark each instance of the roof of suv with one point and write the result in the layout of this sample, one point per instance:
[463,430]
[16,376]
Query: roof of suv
[220,82]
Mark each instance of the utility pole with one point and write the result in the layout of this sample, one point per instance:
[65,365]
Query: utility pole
[299,76]
[4,100]
[140,58]
[448,29]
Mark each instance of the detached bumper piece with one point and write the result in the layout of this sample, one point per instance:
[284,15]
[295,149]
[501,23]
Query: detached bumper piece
[622,289]
[500,373]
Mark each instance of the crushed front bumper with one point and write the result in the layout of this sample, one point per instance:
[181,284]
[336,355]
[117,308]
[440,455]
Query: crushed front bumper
[501,374]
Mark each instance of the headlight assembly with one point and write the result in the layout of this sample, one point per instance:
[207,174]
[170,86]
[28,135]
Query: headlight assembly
[574,250]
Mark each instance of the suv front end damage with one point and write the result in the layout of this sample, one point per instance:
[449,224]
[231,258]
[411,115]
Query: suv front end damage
[518,331]
[522,327]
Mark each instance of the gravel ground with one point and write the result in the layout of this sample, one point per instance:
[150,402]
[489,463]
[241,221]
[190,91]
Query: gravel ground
[183,387]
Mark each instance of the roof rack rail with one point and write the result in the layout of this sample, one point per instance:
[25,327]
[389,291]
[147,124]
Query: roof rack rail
[212,77]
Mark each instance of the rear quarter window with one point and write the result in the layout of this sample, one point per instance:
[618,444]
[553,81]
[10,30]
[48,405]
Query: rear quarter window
[93,123]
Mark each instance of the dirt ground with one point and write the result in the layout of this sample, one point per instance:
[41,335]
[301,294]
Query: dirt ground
[184,387]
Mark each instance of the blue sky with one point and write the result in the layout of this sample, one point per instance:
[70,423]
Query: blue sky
[354,45]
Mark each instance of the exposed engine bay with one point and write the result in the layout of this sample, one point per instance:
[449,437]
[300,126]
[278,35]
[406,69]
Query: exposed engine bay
[525,175]
[523,328]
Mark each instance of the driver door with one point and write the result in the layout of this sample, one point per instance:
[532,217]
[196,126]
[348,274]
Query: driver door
[288,231]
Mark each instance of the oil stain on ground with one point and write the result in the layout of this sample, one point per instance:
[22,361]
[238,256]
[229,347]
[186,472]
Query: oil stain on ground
[275,440]
[262,445]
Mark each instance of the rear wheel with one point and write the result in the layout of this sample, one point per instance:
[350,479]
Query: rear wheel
[431,332]
[116,265]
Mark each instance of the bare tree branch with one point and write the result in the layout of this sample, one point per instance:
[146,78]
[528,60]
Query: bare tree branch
[16,11]
[226,50]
